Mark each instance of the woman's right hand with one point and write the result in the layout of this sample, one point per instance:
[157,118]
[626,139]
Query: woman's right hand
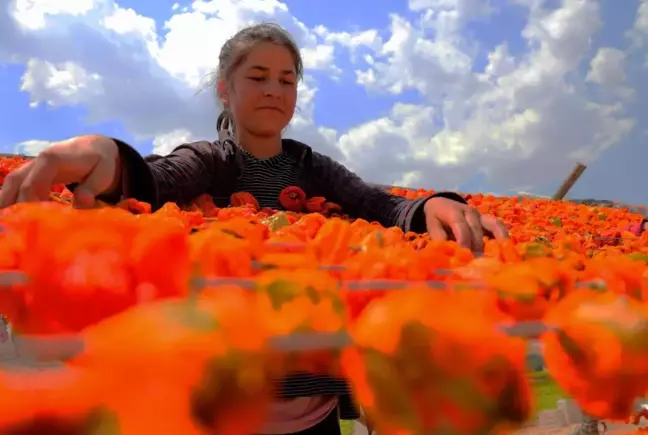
[90,161]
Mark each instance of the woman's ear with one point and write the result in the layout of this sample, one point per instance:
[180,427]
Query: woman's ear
[223,95]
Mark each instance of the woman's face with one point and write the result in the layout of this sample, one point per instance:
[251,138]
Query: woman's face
[263,91]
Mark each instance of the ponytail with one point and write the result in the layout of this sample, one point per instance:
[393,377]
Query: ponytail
[225,126]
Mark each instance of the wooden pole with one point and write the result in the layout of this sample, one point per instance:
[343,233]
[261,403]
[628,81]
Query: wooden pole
[569,182]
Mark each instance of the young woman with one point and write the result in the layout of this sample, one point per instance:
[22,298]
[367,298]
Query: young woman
[256,82]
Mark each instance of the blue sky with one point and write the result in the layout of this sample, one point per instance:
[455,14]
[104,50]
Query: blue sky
[422,93]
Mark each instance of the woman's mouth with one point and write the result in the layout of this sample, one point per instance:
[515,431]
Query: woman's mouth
[270,108]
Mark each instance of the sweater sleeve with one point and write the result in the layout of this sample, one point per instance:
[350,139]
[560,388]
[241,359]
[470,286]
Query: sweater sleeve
[178,177]
[366,201]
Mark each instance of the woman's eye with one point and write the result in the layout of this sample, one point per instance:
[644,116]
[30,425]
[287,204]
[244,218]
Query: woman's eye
[262,79]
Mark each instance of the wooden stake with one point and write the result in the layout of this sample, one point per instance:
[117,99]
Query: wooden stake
[566,186]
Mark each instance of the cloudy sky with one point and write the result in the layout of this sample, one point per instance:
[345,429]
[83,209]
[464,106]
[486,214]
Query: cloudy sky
[477,95]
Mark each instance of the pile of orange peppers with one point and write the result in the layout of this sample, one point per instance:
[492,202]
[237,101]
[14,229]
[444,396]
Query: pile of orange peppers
[178,321]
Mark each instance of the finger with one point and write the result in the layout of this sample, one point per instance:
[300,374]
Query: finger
[39,181]
[495,226]
[435,228]
[473,218]
[12,183]
[461,229]
[99,180]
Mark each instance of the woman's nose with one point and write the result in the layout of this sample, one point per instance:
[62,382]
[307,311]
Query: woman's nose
[272,88]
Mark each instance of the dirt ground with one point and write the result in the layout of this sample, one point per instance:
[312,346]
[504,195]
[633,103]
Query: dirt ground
[613,429]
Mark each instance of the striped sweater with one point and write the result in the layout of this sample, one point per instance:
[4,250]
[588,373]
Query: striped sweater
[265,179]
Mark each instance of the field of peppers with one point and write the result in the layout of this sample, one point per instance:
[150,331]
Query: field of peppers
[209,307]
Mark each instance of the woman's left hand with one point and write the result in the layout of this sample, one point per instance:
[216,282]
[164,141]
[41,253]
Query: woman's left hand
[445,217]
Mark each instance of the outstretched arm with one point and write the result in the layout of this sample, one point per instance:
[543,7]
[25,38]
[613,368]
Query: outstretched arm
[373,203]
[177,177]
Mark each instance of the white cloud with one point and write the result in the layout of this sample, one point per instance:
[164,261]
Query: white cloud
[521,119]
[639,32]
[147,80]
[127,23]
[409,60]
[318,57]
[31,147]
[33,14]
[365,38]
[66,84]
[608,67]
[165,143]
[500,62]
[194,38]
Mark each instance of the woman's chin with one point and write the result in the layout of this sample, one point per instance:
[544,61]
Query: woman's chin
[265,131]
